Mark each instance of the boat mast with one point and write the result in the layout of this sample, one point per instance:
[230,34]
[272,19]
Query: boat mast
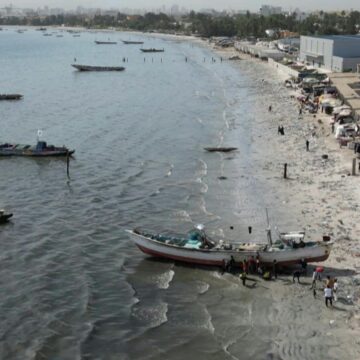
[268,230]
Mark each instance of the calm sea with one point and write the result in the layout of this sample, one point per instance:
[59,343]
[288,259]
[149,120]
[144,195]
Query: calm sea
[72,285]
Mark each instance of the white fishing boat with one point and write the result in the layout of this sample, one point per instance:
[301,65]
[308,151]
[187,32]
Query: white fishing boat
[197,248]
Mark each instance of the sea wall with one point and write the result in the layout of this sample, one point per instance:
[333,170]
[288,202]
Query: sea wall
[283,69]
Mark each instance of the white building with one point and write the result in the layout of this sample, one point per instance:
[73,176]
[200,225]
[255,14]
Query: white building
[336,53]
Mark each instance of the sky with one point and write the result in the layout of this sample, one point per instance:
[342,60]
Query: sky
[252,5]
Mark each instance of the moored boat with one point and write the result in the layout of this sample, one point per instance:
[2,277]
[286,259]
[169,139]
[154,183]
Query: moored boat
[10,96]
[197,248]
[97,68]
[105,42]
[220,149]
[131,42]
[41,149]
[152,50]
[4,217]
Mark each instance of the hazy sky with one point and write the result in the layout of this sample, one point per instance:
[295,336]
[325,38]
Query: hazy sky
[253,5]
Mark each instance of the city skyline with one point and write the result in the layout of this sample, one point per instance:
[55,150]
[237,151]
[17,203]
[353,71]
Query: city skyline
[252,5]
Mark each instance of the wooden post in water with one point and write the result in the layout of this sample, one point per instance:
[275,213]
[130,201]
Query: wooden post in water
[354,166]
[285,171]
[68,164]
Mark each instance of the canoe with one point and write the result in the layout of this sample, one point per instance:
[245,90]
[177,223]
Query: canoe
[41,149]
[105,42]
[220,149]
[129,42]
[152,50]
[10,96]
[197,248]
[97,68]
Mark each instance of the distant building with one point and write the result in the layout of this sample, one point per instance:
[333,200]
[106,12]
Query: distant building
[267,10]
[336,53]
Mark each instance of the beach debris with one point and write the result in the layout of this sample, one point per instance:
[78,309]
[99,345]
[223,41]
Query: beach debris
[332,322]
[235,57]
[325,156]
[222,177]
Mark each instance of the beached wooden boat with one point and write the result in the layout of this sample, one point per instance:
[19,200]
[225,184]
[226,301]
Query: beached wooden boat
[152,50]
[97,68]
[130,42]
[105,42]
[220,149]
[41,149]
[197,248]
[4,217]
[10,96]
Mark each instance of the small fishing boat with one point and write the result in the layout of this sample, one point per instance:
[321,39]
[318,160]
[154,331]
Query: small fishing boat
[105,42]
[152,50]
[4,217]
[130,42]
[198,248]
[10,96]
[220,149]
[41,149]
[97,68]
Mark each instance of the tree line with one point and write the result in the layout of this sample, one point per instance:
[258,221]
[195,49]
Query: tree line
[206,25]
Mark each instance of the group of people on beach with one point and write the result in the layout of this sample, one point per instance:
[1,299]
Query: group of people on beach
[330,289]
[253,266]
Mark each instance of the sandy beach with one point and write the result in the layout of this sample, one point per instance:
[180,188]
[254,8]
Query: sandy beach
[325,200]
[328,198]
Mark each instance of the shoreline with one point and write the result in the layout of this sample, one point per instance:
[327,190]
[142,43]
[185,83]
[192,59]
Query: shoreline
[317,128]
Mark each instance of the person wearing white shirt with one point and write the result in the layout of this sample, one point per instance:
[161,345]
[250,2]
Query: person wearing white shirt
[328,295]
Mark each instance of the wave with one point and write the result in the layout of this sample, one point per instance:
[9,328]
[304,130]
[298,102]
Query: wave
[154,315]
[183,215]
[169,173]
[163,280]
[209,325]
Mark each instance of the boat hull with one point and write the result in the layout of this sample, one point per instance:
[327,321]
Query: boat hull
[30,153]
[5,218]
[152,50]
[216,257]
[97,68]
[105,42]
[132,42]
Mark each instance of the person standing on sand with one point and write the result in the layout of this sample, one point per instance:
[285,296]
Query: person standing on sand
[257,264]
[335,288]
[307,145]
[296,274]
[270,108]
[329,282]
[304,266]
[244,266]
[328,295]
[243,277]
[315,276]
[274,268]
